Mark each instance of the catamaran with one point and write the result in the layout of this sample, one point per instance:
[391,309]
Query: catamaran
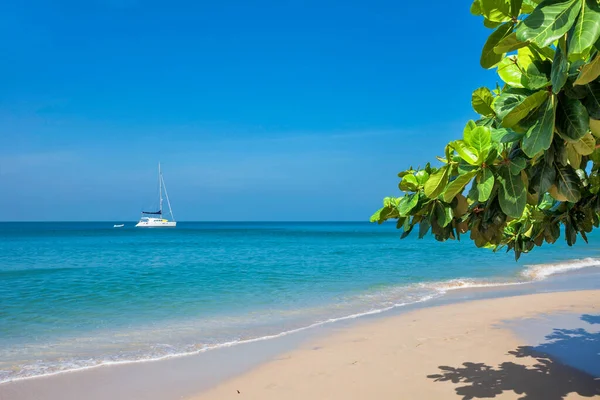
[154,219]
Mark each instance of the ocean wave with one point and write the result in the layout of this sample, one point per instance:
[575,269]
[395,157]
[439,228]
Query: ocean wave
[538,272]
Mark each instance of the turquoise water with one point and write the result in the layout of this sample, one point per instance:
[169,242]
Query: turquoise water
[75,295]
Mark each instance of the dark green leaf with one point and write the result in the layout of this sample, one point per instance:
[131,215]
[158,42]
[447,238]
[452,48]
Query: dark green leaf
[512,136]
[515,7]
[544,175]
[424,226]
[592,99]
[587,28]
[513,195]
[528,105]
[482,100]
[572,119]
[443,214]
[488,57]
[509,99]
[549,21]
[540,135]
[567,184]
[516,165]
[476,8]
[534,77]
[456,186]
[508,44]
[560,67]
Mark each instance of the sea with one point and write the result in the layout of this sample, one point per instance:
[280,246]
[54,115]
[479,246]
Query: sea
[77,295]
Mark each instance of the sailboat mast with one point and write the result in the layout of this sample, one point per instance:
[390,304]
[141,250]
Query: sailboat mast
[160,188]
[168,202]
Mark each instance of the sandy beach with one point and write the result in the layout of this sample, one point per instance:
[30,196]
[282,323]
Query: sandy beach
[534,346]
[479,349]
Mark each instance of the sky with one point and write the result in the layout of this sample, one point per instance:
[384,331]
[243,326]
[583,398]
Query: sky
[258,110]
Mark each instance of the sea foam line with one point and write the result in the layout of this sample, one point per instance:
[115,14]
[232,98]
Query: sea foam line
[531,273]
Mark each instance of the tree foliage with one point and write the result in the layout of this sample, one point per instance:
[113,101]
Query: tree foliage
[530,164]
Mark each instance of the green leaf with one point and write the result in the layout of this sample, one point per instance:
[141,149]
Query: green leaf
[572,119]
[456,186]
[573,156]
[560,67]
[469,126]
[539,136]
[436,183]
[496,10]
[490,24]
[567,184]
[544,175]
[595,127]
[534,78]
[516,165]
[408,183]
[485,184]
[422,176]
[586,145]
[549,21]
[528,105]
[592,99]
[515,8]
[476,8]
[589,72]
[510,72]
[513,195]
[488,57]
[508,44]
[443,214]
[482,100]
[587,28]
[509,99]
[465,152]
[479,139]
[407,204]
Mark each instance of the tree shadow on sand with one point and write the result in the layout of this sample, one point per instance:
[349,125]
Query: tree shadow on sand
[568,362]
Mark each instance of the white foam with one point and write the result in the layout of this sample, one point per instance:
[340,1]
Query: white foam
[538,272]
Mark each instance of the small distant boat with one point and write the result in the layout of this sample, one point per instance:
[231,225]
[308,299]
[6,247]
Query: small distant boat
[118,225]
[156,219]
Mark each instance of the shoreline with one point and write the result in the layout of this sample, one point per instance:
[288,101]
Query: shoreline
[538,346]
[441,291]
[262,350]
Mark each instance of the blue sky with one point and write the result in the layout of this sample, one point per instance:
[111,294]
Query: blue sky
[258,110]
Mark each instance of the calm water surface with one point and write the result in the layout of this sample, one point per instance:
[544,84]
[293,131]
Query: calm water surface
[74,295]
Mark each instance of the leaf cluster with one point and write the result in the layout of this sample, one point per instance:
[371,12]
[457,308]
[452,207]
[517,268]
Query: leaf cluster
[529,167]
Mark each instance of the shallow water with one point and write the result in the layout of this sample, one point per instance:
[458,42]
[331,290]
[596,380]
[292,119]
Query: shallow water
[74,295]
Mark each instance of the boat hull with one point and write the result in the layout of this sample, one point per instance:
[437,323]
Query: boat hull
[156,223]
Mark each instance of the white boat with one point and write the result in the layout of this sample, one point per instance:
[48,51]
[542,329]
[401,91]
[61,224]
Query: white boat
[118,225]
[154,219]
